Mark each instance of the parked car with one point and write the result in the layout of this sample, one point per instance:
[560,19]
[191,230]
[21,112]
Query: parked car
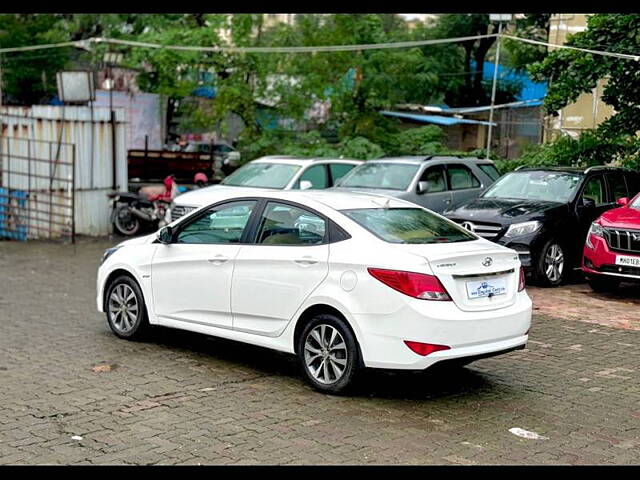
[400,287]
[434,182]
[544,214]
[612,250]
[273,172]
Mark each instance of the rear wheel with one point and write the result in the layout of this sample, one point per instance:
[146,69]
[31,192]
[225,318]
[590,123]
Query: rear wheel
[125,222]
[328,354]
[552,264]
[602,284]
[125,309]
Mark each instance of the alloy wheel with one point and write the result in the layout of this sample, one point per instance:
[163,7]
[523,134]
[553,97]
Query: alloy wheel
[123,308]
[554,263]
[325,354]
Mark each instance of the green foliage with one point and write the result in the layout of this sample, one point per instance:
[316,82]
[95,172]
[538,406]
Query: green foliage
[360,148]
[29,76]
[590,148]
[418,141]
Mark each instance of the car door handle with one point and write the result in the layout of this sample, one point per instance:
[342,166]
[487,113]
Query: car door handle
[305,261]
[218,260]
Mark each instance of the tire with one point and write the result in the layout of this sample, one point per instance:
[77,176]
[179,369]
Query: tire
[603,284]
[313,366]
[124,222]
[551,269]
[132,322]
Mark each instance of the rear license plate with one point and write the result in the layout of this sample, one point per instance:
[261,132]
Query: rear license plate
[627,261]
[487,288]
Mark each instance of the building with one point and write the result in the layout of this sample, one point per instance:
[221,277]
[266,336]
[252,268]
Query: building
[589,110]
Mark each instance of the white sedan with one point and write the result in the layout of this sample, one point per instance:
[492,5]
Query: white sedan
[342,280]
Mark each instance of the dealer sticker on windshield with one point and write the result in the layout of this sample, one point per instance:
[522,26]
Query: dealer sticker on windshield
[487,288]
[627,261]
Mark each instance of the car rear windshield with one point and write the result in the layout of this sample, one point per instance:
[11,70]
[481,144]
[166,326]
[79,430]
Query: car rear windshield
[536,185]
[392,176]
[262,175]
[408,225]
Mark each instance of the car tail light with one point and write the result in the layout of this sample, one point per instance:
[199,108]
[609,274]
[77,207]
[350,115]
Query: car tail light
[521,282]
[416,285]
[425,349]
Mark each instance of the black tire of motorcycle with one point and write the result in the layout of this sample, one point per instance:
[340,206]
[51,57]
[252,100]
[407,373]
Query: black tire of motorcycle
[119,228]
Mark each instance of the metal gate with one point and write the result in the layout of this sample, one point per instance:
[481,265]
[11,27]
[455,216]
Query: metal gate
[37,180]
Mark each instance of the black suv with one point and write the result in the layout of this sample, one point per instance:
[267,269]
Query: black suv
[544,213]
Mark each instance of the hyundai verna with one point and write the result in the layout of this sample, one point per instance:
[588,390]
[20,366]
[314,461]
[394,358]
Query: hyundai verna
[544,214]
[343,281]
[612,250]
[435,182]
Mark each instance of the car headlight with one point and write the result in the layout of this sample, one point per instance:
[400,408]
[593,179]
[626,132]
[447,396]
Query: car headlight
[524,228]
[107,253]
[596,230]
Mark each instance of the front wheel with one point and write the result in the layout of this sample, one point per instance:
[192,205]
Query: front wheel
[125,309]
[328,354]
[602,284]
[552,264]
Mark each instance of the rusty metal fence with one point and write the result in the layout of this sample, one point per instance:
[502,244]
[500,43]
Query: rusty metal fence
[37,183]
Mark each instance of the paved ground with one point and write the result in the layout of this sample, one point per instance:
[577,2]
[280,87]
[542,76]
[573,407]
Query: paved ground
[184,398]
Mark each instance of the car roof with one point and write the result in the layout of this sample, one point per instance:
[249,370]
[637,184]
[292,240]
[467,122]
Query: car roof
[296,160]
[419,159]
[577,170]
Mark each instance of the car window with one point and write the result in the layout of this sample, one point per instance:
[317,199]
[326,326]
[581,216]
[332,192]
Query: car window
[460,177]
[262,175]
[490,170]
[283,224]
[317,175]
[435,178]
[408,225]
[221,224]
[339,170]
[537,185]
[618,185]
[594,189]
[393,176]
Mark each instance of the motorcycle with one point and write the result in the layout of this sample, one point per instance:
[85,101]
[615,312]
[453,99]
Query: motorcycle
[147,208]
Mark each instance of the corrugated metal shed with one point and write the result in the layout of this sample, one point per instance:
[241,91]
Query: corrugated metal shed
[89,131]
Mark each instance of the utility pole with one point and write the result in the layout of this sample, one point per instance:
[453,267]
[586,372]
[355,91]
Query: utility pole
[500,17]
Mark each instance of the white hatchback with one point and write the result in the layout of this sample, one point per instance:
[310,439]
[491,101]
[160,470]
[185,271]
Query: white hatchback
[342,280]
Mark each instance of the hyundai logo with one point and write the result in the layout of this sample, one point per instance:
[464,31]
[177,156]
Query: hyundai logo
[469,226]
[487,262]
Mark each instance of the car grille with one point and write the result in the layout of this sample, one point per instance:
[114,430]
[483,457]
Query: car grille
[485,230]
[620,240]
[178,211]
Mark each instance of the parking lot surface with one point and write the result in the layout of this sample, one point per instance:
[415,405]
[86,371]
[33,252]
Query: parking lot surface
[74,393]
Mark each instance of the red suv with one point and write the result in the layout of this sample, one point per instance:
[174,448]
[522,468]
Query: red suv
[612,250]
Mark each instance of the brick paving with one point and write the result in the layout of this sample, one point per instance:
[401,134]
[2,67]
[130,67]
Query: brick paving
[181,398]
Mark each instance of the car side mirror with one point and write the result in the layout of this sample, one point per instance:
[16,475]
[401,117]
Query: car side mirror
[305,185]
[622,201]
[423,187]
[588,203]
[165,235]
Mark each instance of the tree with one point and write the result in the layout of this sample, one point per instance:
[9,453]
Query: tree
[571,72]
[29,76]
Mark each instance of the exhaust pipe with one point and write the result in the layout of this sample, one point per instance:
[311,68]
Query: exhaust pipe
[141,214]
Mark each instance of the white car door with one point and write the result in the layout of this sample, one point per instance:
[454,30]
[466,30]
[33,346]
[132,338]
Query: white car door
[191,277]
[273,276]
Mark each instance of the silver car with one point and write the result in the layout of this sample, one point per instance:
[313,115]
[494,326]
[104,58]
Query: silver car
[435,182]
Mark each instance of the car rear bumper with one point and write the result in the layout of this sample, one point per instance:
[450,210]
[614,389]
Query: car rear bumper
[468,334]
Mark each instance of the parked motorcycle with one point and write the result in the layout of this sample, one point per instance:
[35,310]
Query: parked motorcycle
[133,211]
